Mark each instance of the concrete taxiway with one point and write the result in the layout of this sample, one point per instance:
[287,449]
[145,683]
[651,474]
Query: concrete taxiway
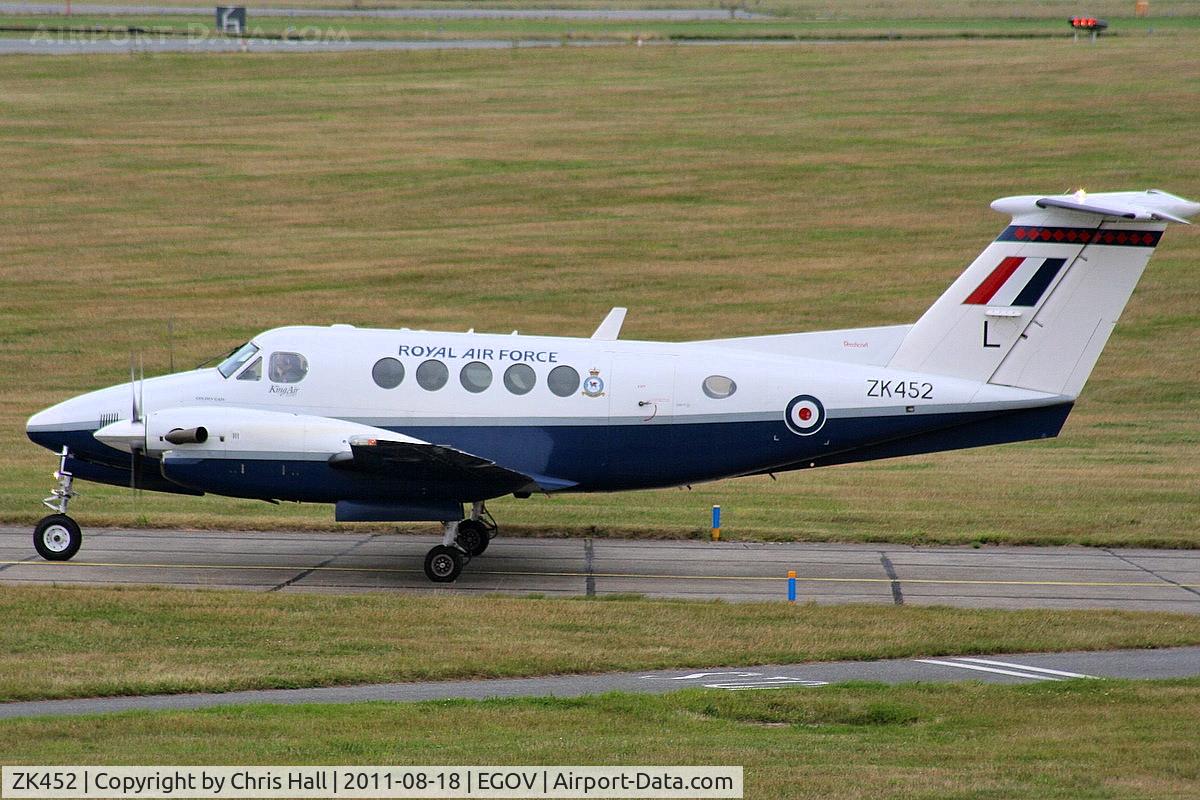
[995,577]
[1025,668]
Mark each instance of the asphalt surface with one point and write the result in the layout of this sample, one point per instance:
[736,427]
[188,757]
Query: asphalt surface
[656,15]
[1025,668]
[995,577]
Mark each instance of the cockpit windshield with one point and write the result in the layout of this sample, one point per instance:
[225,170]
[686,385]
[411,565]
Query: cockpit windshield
[239,357]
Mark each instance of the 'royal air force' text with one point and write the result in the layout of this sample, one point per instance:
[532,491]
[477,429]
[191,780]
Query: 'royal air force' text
[479,353]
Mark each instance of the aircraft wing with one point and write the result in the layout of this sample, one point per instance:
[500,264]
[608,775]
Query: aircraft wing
[439,463]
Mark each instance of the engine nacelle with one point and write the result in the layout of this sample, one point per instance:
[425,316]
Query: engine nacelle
[212,432]
[241,452]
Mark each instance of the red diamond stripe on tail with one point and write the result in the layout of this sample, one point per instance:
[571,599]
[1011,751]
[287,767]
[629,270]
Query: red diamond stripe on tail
[992,283]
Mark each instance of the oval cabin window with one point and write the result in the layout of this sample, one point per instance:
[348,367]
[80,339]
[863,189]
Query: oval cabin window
[563,381]
[476,376]
[387,373]
[432,375]
[718,387]
[519,378]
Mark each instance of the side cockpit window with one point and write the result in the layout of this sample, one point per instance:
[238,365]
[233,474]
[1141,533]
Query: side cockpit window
[252,372]
[237,358]
[287,368]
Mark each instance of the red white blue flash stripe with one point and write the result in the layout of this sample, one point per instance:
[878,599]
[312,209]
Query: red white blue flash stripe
[1016,281]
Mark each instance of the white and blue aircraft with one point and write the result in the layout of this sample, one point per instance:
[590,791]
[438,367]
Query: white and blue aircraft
[405,425]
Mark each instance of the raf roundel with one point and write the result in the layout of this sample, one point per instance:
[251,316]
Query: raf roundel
[805,415]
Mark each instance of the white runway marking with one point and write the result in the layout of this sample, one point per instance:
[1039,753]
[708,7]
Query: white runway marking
[1063,673]
[979,668]
[767,683]
[741,681]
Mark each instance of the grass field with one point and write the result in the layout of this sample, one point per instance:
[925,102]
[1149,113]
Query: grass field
[1084,739]
[81,642]
[715,191]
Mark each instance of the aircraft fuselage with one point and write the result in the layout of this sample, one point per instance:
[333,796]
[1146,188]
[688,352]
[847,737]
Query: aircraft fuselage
[617,415]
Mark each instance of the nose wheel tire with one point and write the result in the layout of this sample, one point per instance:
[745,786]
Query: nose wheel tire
[473,536]
[57,537]
[443,564]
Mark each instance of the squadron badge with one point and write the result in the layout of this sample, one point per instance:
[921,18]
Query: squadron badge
[593,384]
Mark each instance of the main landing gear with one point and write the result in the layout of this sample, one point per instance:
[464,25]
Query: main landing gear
[57,537]
[462,541]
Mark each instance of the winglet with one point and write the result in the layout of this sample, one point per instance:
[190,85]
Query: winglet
[610,328]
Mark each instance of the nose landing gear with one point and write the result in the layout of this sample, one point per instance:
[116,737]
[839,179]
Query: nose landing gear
[57,537]
[462,541]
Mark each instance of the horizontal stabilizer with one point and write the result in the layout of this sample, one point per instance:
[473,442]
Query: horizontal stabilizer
[1124,212]
[1152,205]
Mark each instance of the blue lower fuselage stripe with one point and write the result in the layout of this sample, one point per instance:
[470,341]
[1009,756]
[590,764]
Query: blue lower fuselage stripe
[596,457]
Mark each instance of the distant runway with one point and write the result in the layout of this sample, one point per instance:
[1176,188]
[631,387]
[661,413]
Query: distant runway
[993,577]
[604,14]
[54,44]
[1177,662]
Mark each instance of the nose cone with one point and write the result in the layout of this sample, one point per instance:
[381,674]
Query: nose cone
[72,422]
[41,421]
[48,426]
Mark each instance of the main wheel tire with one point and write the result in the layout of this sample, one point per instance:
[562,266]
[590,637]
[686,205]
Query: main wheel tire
[57,537]
[473,536]
[443,564]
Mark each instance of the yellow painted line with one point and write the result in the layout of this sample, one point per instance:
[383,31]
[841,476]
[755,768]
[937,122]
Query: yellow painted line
[647,576]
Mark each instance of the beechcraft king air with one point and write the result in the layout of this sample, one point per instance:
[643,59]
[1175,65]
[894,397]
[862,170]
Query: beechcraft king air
[403,425]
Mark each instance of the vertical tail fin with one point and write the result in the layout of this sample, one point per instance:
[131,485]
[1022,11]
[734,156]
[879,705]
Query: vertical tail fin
[1036,307]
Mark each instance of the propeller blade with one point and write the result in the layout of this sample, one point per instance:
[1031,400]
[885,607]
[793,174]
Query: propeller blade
[136,412]
[137,460]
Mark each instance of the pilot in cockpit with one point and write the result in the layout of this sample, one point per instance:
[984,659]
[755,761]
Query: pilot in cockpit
[287,367]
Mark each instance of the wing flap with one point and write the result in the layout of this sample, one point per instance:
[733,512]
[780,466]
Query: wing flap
[440,464]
